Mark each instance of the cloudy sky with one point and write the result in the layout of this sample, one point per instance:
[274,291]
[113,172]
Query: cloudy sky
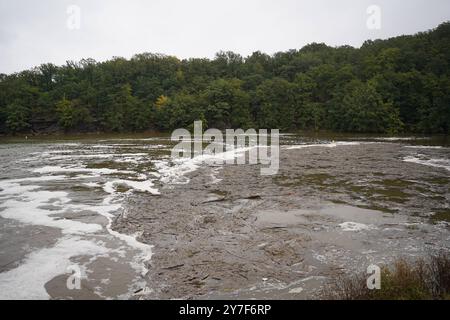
[34,32]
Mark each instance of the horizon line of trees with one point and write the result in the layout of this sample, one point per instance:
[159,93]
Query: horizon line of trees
[401,84]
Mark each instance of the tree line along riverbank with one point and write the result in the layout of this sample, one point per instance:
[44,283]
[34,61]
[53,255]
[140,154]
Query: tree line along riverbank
[401,84]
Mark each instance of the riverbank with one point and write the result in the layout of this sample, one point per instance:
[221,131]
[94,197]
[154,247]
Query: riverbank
[321,135]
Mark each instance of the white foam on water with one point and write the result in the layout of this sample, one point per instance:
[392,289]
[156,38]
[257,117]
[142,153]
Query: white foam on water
[14,189]
[28,280]
[117,157]
[52,152]
[146,251]
[134,160]
[327,145]
[399,138]
[33,179]
[355,226]
[154,146]
[111,205]
[105,146]
[108,209]
[70,144]
[46,155]
[13,186]
[437,163]
[82,156]
[142,186]
[176,173]
[25,200]
[135,139]
[296,290]
[424,147]
[92,184]
[213,175]
[26,207]
[59,169]
[141,154]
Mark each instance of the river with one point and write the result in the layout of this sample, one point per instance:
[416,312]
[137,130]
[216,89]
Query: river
[116,212]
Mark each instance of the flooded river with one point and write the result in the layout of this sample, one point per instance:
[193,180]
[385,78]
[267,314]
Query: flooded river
[117,213]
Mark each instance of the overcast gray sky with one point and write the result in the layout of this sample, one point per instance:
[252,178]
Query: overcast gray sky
[34,32]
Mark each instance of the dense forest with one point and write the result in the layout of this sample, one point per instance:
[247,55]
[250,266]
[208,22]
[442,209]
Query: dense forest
[396,85]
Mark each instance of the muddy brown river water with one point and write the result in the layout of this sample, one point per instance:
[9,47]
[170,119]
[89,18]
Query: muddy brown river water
[118,214]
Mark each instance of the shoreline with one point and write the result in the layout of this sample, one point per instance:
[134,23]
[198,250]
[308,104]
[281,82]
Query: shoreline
[154,133]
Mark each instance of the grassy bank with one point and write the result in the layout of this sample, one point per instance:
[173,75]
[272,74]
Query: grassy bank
[423,279]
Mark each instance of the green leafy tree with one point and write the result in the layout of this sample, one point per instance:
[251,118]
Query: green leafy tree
[401,83]
[227,104]
[72,115]
[17,118]
[363,110]
[277,104]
